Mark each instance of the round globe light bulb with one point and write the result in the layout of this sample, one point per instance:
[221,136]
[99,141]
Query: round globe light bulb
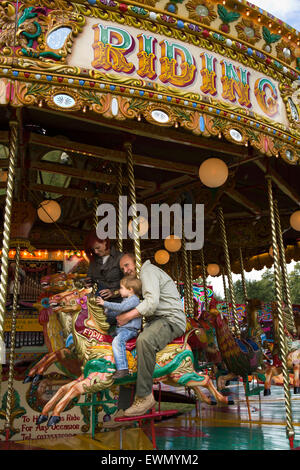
[49,211]
[295,220]
[142,226]
[172,243]
[213,269]
[161,257]
[213,172]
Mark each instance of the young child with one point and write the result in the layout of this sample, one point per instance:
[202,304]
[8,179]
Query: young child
[130,289]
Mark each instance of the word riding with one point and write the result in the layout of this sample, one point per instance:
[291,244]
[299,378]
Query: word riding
[114,49]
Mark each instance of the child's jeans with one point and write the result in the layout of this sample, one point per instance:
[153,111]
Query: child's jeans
[119,346]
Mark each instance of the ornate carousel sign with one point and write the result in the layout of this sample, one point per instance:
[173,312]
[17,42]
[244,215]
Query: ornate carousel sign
[216,69]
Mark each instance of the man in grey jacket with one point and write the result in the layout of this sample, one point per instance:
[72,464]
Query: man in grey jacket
[164,318]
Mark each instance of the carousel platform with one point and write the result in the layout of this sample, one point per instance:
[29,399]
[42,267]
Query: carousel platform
[216,428]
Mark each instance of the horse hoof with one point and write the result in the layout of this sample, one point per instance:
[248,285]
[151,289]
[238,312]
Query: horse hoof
[267,392]
[41,419]
[37,378]
[53,421]
[230,401]
[296,390]
[28,379]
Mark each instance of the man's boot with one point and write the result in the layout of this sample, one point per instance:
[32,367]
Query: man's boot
[140,406]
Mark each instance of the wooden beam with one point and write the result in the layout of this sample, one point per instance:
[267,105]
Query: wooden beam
[4,162]
[171,184]
[70,192]
[94,176]
[112,155]
[4,137]
[244,201]
[280,182]
[160,133]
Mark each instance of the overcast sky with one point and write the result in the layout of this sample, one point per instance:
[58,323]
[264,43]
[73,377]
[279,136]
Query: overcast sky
[286,10]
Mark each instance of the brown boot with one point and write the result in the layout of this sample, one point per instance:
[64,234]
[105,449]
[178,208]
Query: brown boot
[141,406]
[120,374]
[112,424]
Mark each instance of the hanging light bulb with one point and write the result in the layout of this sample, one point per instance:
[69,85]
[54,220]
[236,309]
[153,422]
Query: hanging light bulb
[213,172]
[295,220]
[161,257]
[142,226]
[172,243]
[213,269]
[49,211]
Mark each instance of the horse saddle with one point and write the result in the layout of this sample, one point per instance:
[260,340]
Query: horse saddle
[130,345]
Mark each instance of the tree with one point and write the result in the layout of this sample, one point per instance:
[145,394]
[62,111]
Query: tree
[294,279]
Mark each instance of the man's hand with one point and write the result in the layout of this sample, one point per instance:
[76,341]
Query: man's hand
[106,293]
[99,301]
[124,318]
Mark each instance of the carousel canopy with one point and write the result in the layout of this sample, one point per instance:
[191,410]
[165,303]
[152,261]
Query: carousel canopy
[182,82]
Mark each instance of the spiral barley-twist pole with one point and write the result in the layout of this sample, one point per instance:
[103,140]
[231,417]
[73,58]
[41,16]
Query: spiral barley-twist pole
[227,300]
[243,276]
[282,338]
[203,272]
[12,346]
[228,268]
[191,293]
[285,278]
[187,297]
[132,197]
[6,226]
[120,213]
[96,202]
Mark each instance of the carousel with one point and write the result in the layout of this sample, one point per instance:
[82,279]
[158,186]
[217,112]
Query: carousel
[188,106]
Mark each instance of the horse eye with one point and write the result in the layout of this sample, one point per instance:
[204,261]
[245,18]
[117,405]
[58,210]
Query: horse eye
[62,303]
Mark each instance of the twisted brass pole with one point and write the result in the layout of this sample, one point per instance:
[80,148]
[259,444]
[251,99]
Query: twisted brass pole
[228,267]
[132,196]
[12,345]
[282,338]
[243,276]
[203,272]
[178,273]
[187,298]
[285,278]
[190,261]
[226,299]
[120,213]
[95,212]
[6,227]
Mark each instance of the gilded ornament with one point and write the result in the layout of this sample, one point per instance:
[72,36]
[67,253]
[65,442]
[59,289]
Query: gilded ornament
[235,134]
[202,11]
[284,52]
[248,31]
[226,17]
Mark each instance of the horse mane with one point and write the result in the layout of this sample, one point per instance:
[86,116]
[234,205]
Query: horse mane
[97,312]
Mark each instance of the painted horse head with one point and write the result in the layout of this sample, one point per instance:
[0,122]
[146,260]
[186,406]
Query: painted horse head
[69,301]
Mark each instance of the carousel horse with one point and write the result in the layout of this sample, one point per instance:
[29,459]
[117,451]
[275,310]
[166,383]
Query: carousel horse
[293,355]
[57,328]
[242,357]
[174,364]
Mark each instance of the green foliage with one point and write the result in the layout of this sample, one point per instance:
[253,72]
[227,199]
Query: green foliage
[294,278]
[264,289]
[227,16]
[269,37]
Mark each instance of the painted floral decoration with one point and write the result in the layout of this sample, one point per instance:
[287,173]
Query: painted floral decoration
[284,52]
[201,11]
[248,31]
